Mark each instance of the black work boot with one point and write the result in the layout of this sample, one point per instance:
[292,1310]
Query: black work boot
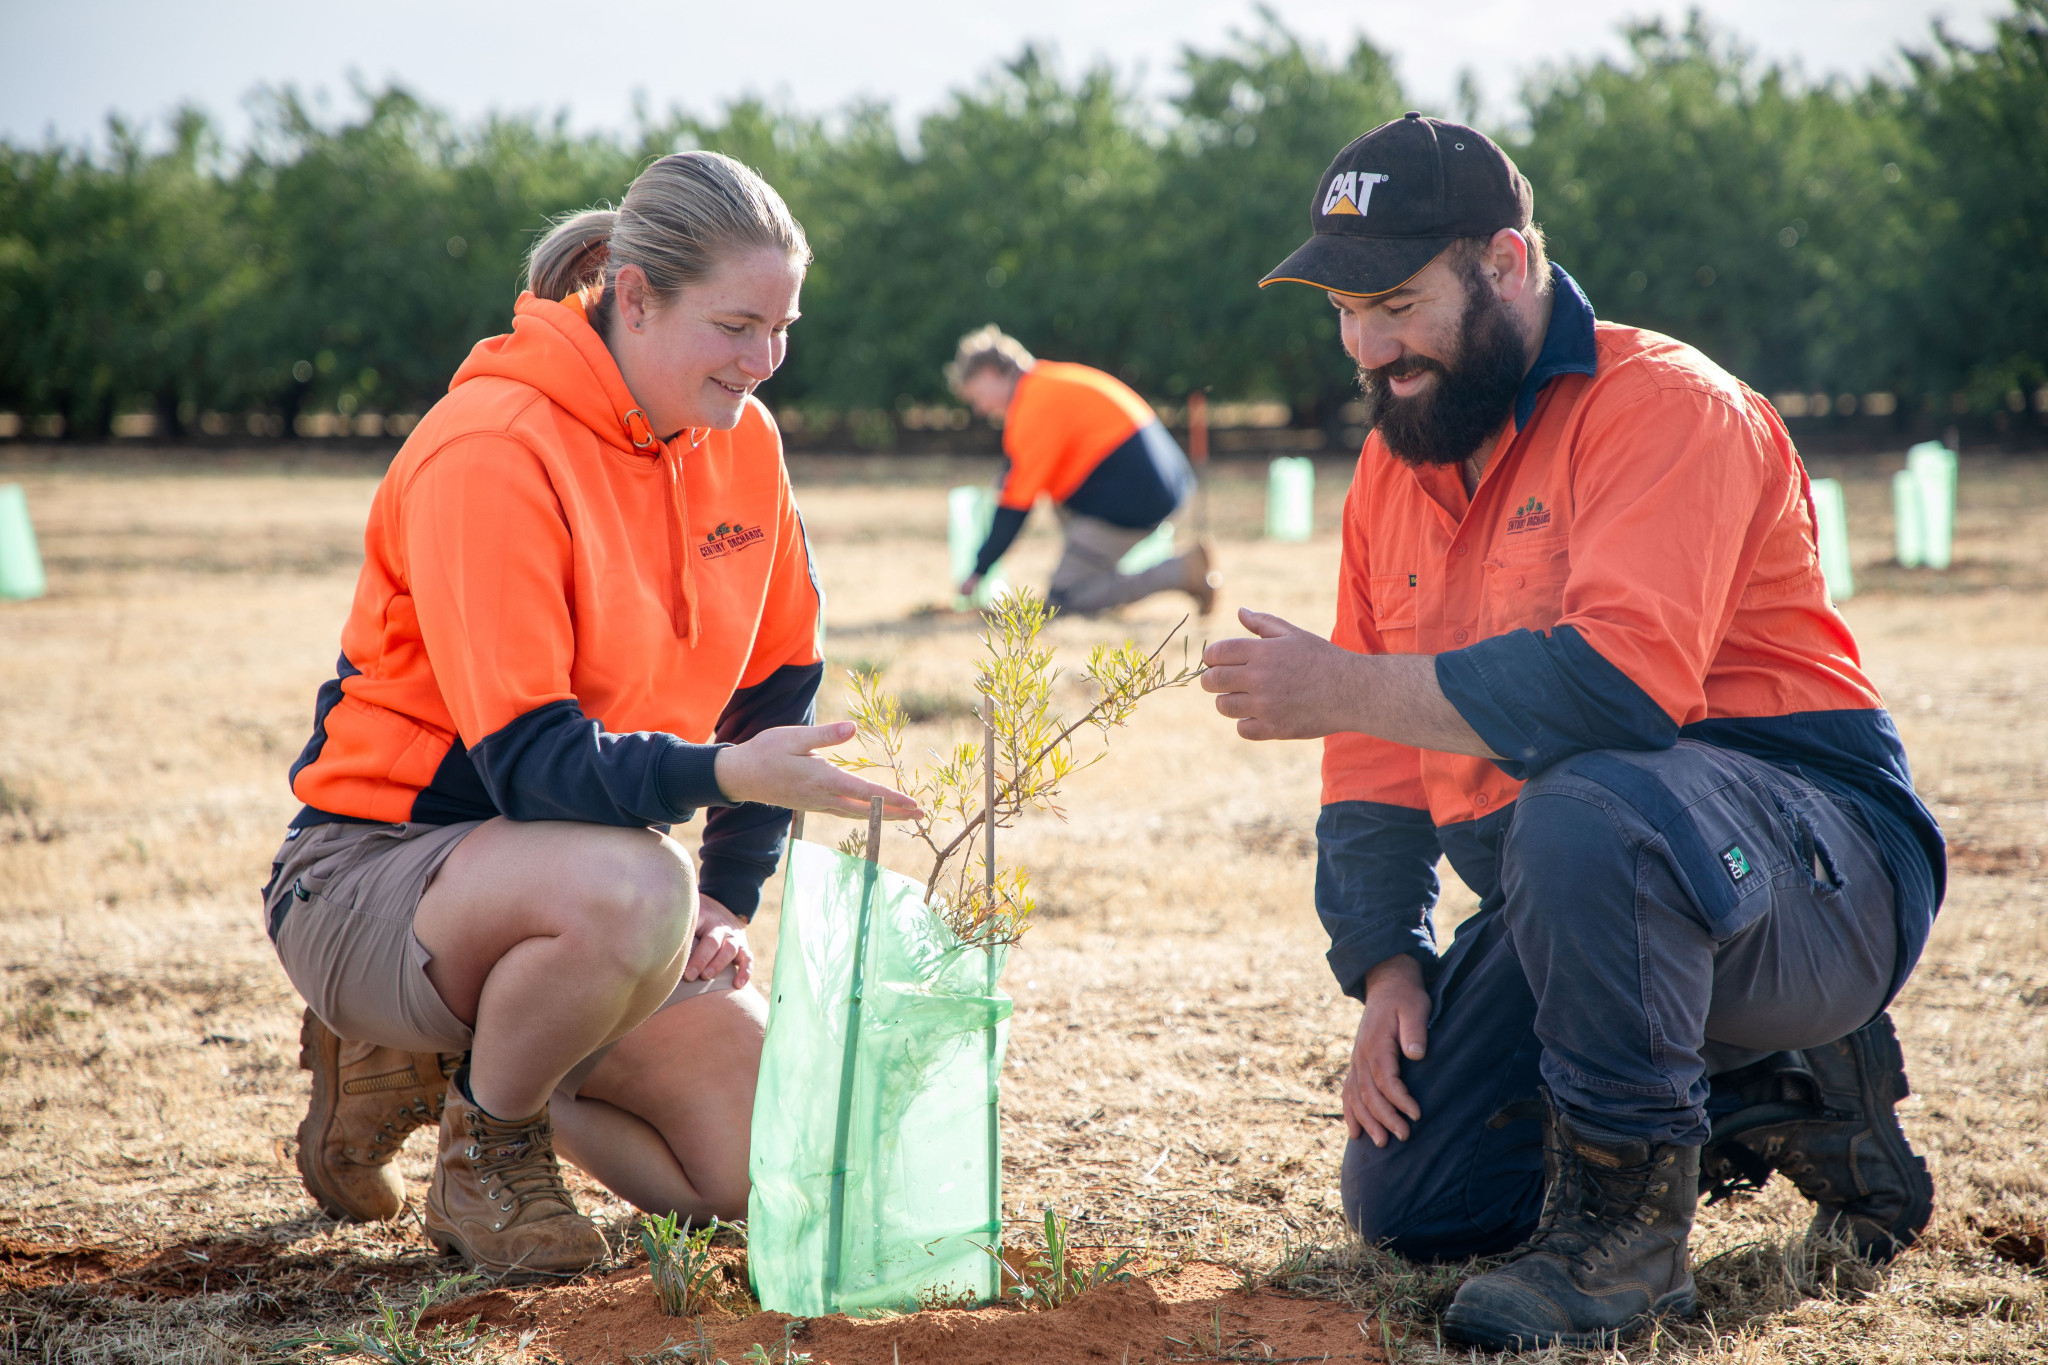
[1608,1255]
[1825,1118]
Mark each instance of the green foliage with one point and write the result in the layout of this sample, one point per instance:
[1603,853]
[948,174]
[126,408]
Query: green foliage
[686,1278]
[1054,1274]
[1892,235]
[393,1335]
[1035,753]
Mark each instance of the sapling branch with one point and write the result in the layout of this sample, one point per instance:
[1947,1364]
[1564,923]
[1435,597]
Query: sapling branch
[1022,734]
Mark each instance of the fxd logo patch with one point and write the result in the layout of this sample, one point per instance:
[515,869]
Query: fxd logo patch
[1528,517]
[1737,863]
[728,539]
[1351,192]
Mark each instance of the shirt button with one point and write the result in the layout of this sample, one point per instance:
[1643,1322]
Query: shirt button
[1521,582]
[1460,551]
[1480,800]
[1460,637]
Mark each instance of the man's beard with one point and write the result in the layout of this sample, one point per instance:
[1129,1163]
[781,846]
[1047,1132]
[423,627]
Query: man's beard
[1472,396]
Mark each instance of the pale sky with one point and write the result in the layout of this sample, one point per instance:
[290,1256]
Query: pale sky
[65,64]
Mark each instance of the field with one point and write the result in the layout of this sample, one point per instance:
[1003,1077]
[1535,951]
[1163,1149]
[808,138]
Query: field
[1178,1041]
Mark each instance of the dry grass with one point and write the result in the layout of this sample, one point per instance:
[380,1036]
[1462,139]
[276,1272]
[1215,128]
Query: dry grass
[1177,1043]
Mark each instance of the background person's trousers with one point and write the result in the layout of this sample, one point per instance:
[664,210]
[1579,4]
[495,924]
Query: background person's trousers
[1668,916]
[1086,578]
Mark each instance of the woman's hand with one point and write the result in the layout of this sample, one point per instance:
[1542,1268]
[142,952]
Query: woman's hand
[721,942]
[780,767]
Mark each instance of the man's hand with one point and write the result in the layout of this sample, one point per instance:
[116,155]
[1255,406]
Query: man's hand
[780,768]
[1287,684]
[969,584]
[720,942]
[1395,1025]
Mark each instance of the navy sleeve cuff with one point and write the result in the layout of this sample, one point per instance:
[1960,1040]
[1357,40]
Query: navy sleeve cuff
[687,777]
[1002,530]
[743,843]
[1538,699]
[1375,887]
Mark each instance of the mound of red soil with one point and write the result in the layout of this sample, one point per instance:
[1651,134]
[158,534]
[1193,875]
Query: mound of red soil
[172,1272]
[1198,1312]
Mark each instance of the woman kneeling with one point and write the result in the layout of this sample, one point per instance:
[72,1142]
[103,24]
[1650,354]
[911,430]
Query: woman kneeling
[587,610]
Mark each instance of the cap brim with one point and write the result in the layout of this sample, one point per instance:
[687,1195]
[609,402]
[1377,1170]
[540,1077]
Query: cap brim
[1360,265]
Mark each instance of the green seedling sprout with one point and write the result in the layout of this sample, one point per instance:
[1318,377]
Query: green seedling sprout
[393,1337]
[679,1260]
[1028,751]
[1056,1275]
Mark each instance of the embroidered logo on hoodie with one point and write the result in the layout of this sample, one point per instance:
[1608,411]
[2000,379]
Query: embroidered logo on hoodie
[727,539]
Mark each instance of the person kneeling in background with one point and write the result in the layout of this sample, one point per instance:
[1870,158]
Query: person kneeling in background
[1084,439]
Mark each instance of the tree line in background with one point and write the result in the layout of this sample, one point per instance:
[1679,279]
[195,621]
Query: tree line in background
[1890,237]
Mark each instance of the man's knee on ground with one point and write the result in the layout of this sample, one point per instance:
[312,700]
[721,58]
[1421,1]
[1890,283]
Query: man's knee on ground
[639,901]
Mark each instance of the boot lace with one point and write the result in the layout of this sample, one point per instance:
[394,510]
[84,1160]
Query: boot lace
[515,1164]
[393,1131]
[1593,1211]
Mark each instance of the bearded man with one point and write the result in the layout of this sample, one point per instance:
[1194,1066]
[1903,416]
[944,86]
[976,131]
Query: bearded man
[1585,651]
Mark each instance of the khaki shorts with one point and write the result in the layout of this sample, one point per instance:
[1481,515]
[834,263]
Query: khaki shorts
[340,909]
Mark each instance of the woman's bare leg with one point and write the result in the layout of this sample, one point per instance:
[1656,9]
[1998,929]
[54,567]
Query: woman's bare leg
[666,1118]
[550,939]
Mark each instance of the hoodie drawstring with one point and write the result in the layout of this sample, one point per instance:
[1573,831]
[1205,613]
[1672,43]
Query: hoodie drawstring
[684,556]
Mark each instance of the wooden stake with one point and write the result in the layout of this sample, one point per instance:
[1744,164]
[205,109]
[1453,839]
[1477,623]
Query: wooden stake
[796,825]
[875,830]
[988,827]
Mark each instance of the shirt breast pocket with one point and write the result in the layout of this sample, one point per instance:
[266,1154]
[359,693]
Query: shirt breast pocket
[1393,610]
[1524,587]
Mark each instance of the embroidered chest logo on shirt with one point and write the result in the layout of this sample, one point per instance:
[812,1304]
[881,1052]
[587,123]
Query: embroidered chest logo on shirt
[1528,517]
[729,539]
[1734,860]
[1351,193]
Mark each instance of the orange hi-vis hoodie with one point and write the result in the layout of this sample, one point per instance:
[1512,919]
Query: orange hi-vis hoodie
[562,617]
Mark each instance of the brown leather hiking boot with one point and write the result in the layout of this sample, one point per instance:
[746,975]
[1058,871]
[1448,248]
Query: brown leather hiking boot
[1199,578]
[1825,1117]
[366,1099]
[498,1201]
[1608,1255]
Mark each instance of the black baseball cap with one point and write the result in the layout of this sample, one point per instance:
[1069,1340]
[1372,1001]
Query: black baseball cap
[1396,197]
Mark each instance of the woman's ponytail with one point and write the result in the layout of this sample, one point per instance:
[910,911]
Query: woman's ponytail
[572,255]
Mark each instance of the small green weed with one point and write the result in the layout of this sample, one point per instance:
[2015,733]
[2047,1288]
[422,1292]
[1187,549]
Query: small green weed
[685,1276]
[393,1334]
[1056,1276]
[703,1352]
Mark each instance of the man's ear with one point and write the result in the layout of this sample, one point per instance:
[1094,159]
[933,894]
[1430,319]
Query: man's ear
[1507,255]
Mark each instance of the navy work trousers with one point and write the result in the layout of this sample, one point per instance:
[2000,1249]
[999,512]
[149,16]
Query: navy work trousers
[1667,916]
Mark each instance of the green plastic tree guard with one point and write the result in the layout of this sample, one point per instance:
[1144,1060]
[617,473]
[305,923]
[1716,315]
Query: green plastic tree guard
[1909,527]
[1291,498]
[1156,548]
[21,564]
[1831,527]
[1933,467]
[970,509]
[876,1162]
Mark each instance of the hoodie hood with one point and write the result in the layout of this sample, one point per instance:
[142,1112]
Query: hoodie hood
[553,348]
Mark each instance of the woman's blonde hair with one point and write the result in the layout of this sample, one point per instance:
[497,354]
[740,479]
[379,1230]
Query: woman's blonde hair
[987,348]
[680,219]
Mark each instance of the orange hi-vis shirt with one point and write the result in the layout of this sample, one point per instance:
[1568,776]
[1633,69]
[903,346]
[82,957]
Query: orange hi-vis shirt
[1064,421]
[1087,441]
[561,617]
[1637,565]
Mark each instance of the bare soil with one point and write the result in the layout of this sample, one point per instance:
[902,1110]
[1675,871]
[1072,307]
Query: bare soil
[1178,1041]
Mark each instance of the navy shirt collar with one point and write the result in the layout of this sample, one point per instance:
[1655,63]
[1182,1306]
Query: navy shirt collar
[1567,345]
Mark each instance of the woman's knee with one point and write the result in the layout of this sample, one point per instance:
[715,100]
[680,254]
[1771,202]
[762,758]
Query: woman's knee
[637,901]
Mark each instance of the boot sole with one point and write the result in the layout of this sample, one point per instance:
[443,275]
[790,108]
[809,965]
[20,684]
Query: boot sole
[1472,1328]
[1883,1065]
[448,1244]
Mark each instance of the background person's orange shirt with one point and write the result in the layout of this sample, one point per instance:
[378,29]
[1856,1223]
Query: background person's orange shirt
[1638,564]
